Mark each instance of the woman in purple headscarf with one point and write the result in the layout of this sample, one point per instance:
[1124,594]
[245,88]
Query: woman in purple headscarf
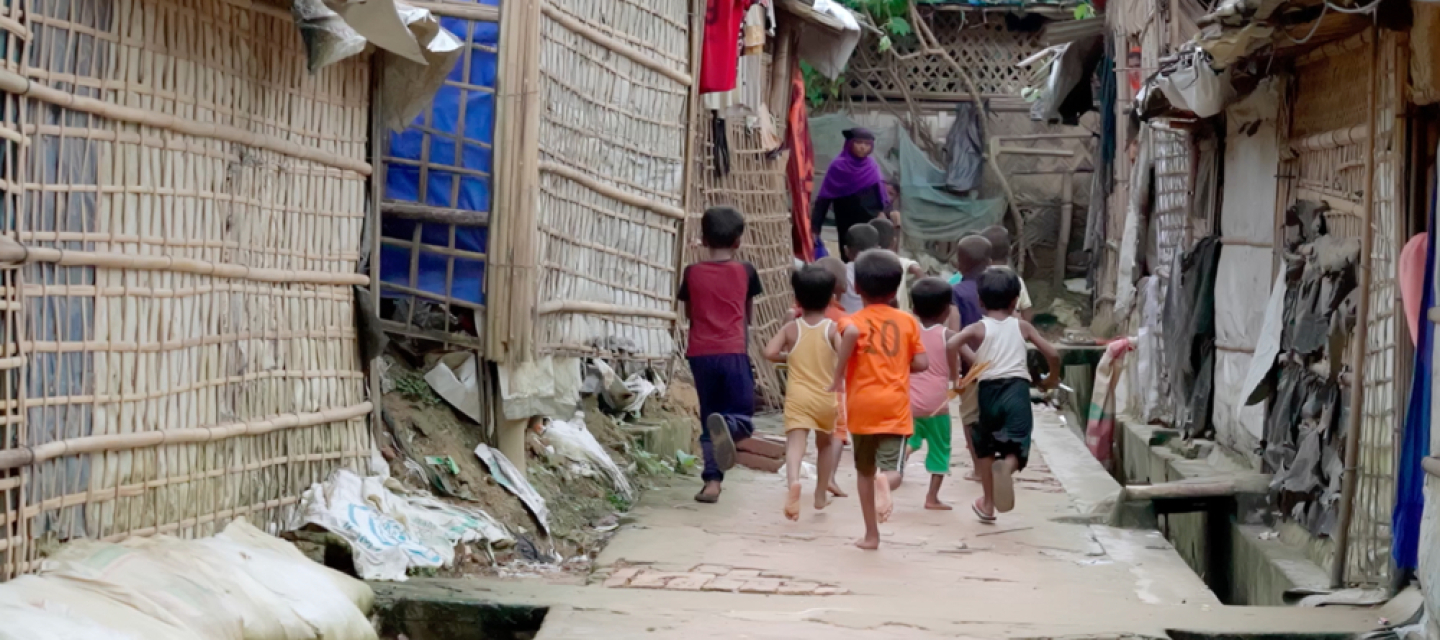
[853,187]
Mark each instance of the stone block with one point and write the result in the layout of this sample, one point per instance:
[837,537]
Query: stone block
[761,585]
[622,577]
[798,588]
[690,581]
[723,583]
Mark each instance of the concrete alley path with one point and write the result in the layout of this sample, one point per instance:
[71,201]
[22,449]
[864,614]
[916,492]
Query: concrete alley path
[739,569]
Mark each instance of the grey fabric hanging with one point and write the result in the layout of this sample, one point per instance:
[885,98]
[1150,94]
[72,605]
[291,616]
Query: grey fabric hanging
[964,150]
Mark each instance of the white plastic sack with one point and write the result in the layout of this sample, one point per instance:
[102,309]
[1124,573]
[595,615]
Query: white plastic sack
[382,547]
[332,602]
[509,477]
[434,524]
[264,614]
[54,621]
[199,606]
[117,608]
[574,441]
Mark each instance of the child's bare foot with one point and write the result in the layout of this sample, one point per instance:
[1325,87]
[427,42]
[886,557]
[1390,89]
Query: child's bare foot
[836,491]
[934,504]
[972,476]
[822,500]
[868,543]
[884,504]
[792,502]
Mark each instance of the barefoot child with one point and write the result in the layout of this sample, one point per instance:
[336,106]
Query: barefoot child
[717,294]
[836,313]
[879,349]
[930,389]
[1002,438]
[808,345]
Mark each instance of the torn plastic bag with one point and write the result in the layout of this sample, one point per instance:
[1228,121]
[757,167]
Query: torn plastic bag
[574,441]
[510,477]
[382,547]
[409,84]
[328,38]
[1195,87]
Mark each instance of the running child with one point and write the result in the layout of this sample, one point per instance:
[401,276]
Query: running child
[880,347]
[717,294]
[930,389]
[972,259]
[808,345]
[859,239]
[1002,437]
[999,238]
[889,236]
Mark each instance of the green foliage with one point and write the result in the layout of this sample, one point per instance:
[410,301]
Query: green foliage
[618,502]
[890,16]
[415,389]
[1084,11]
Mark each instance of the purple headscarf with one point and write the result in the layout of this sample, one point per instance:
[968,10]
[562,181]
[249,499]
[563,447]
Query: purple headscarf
[850,174]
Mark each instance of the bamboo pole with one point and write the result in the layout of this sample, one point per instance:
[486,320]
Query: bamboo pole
[611,192]
[1062,243]
[14,83]
[28,456]
[12,252]
[1355,420]
[603,309]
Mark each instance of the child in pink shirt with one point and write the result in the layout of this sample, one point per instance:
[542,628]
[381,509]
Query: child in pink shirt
[930,389]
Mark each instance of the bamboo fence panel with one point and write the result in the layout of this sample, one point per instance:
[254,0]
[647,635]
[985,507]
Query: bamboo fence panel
[979,42]
[756,186]
[1328,138]
[615,95]
[184,323]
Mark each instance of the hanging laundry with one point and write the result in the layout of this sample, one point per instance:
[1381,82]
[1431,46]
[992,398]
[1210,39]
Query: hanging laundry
[965,150]
[719,146]
[800,169]
[721,55]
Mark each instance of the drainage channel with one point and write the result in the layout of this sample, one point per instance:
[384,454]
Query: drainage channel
[406,619]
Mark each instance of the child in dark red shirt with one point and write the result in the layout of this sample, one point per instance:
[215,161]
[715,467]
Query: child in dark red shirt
[717,294]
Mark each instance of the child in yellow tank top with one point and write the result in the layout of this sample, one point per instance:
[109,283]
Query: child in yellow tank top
[807,345]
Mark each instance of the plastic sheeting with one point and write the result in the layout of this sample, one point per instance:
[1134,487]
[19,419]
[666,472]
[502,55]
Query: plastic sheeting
[1244,282]
[464,145]
[930,211]
[1415,438]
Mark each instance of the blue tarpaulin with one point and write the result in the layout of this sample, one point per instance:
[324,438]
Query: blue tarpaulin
[455,151]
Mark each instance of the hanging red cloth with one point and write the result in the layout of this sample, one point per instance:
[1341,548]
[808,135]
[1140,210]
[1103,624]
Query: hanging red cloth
[800,170]
[720,60]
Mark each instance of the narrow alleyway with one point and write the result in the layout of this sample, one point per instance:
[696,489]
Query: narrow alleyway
[740,570]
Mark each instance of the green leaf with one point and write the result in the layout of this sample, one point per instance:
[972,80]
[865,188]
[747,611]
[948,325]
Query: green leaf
[898,7]
[1084,11]
[898,26]
[884,44]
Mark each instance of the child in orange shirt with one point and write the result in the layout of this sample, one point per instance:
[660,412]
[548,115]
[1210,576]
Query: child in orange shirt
[879,349]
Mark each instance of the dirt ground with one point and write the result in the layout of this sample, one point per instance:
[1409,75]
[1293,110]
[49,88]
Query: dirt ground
[584,511]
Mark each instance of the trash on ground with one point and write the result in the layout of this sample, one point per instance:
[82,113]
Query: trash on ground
[456,379]
[388,532]
[510,477]
[572,440]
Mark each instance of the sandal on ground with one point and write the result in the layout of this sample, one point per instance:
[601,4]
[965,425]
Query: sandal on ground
[707,498]
[984,519]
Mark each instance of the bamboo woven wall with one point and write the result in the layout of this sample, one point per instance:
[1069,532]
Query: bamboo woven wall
[615,93]
[756,186]
[1328,136]
[180,346]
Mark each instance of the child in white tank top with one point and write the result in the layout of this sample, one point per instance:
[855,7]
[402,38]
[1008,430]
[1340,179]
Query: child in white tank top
[1002,436]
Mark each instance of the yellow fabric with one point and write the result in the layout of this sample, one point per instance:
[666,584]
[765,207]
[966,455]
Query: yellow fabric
[809,404]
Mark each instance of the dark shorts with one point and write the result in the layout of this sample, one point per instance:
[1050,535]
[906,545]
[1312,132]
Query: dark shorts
[1006,420]
[724,384]
[874,451]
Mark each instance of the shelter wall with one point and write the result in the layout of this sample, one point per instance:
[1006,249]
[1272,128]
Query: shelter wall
[191,355]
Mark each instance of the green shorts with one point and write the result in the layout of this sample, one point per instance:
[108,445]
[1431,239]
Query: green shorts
[876,451]
[936,431]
